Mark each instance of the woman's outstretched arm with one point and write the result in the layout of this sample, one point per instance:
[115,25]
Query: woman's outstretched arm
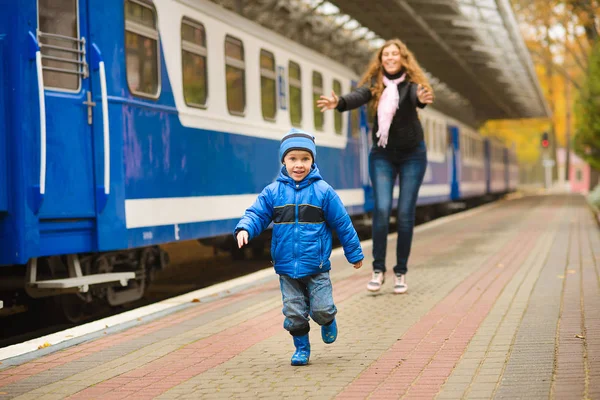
[346,102]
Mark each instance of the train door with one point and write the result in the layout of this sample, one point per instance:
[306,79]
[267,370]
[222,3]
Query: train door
[455,177]
[67,187]
[365,146]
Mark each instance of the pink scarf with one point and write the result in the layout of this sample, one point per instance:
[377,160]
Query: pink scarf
[388,103]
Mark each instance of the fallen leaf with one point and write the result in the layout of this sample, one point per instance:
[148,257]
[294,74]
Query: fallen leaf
[43,345]
[195,300]
[571,271]
[579,337]
[139,319]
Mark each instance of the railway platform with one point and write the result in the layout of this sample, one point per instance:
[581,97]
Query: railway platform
[503,302]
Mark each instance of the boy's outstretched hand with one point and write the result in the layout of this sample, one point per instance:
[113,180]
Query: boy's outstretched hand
[242,238]
[358,265]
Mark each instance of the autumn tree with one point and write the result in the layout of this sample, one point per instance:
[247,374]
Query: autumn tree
[559,35]
[587,140]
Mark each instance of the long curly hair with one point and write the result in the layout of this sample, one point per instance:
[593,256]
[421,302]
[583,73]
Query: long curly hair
[374,72]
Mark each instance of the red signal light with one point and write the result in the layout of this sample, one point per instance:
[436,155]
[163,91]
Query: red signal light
[545,143]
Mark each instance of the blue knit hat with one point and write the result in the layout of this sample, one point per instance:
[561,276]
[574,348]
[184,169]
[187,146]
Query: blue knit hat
[297,139]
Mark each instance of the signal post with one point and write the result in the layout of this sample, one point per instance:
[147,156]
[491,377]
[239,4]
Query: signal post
[547,160]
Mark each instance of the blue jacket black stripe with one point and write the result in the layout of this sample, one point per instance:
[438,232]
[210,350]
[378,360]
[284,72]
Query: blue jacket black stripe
[303,215]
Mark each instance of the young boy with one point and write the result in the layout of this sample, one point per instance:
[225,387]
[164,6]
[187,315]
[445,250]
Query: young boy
[304,209]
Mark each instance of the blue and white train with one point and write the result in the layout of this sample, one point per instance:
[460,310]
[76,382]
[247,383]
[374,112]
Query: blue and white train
[127,124]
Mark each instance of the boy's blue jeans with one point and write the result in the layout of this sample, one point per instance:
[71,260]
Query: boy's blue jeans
[311,295]
[384,166]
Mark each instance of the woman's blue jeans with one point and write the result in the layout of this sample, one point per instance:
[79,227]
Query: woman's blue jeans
[384,166]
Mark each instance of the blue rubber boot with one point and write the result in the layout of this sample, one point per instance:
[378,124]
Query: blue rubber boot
[329,332]
[302,353]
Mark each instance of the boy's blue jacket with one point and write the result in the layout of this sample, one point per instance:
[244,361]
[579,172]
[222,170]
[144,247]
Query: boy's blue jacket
[303,214]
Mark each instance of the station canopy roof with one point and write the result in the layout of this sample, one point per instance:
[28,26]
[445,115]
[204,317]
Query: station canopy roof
[472,50]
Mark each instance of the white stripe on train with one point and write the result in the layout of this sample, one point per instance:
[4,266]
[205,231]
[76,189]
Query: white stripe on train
[140,213]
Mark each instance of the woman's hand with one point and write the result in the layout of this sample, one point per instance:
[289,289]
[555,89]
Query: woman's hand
[242,238]
[328,103]
[358,264]
[424,96]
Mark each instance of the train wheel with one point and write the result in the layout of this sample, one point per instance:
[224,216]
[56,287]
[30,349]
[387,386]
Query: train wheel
[238,254]
[258,250]
[74,309]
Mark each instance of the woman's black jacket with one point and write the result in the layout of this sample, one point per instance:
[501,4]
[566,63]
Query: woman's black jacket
[406,131]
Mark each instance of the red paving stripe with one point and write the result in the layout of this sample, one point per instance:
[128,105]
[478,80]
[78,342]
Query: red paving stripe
[420,362]
[57,359]
[177,367]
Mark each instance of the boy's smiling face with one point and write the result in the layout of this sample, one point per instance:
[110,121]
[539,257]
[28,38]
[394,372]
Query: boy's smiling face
[298,163]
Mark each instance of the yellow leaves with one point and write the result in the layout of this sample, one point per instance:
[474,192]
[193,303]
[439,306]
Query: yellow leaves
[43,346]
[524,133]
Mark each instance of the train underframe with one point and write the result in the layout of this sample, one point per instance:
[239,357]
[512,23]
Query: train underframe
[80,284]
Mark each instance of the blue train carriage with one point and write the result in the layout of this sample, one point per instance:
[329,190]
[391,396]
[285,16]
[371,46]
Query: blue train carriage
[512,170]
[436,182]
[496,166]
[469,163]
[141,123]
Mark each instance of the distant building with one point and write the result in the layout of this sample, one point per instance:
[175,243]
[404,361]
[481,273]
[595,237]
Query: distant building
[579,172]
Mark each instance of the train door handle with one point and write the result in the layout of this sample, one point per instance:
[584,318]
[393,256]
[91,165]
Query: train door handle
[34,50]
[98,64]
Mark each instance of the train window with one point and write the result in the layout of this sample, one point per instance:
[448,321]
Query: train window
[268,93]
[435,127]
[428,133]
[62,51]
[470,142]
[193,61]
[295,86]
[337,116]
[235,73]
[317,81]
[354,116]
[141,48]
[443,139]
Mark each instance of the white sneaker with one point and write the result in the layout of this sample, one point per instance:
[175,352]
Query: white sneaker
[376,281]
[400,285]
